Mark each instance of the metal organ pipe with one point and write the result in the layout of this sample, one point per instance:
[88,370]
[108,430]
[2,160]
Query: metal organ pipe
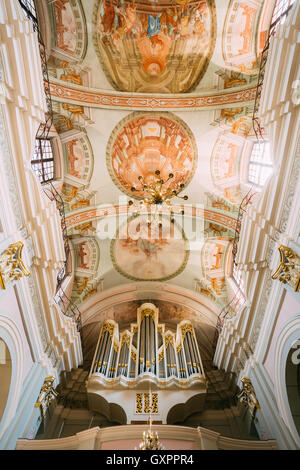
[106,353]
[196,356]
[97,356]
[146,347]
[187,355]
[141,358]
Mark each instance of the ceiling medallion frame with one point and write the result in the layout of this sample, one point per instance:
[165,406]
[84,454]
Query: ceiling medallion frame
[166,278]
[163,81]
[138,114]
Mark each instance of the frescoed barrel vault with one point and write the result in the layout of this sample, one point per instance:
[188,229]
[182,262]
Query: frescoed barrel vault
[163,46]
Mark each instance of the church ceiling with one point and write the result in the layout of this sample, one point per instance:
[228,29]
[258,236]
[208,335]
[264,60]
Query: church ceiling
[145,252]
[157,47]
[121,76]
[144,143]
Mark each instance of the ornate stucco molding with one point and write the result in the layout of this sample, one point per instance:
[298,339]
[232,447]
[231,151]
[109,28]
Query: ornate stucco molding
[77,94]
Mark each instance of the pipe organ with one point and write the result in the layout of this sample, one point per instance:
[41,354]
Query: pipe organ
[147,351]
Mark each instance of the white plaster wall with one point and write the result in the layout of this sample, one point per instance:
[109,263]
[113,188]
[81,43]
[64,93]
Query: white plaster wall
[289,308]
[9,307]
[166,400]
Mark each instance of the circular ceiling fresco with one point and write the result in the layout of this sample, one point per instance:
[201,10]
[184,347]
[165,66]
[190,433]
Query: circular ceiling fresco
[161,46]
[146,251]
[145,142]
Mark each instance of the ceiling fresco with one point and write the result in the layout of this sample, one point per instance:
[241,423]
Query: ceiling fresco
[143,143]
[239,48]
[163,46]
[139,86]
[145,250]
[69,37]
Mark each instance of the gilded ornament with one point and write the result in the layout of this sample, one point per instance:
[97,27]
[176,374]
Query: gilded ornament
[11,264]
[248,397]
[108,327]
[288,271]
[46,396]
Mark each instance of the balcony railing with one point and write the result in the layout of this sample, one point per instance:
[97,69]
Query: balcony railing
[52,193]
[280,13]
[242,209]
[68,308]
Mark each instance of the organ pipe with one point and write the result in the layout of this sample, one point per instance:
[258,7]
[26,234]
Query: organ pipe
[147,348]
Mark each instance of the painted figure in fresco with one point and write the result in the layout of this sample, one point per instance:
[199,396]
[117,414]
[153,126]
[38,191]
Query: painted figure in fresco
[73,109]
[83,255]
[154,52]
[230,114]
[154,25]
[70,76]
[75,157]
[82,203]
[132,21]
[155,32]
[108,17]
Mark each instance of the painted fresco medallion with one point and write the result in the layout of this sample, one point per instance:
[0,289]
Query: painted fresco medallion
[161,46]
[144,252]
[143,143]
[69,28]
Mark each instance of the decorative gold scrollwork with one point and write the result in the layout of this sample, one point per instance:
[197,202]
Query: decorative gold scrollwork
[147,312]
[108,327]
[147,408]
[139,403]
[11,264]
[144,399]
[169,339]
[125,339]
[133,356]
[46,396]
[185,329]
[288,271]
[161,355]
[154,403]
[248,397]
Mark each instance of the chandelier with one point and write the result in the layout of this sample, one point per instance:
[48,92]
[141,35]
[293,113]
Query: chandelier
[150,439]
[158,193]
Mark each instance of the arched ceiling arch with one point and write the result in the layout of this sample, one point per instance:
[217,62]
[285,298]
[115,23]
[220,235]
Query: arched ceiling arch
[96,126]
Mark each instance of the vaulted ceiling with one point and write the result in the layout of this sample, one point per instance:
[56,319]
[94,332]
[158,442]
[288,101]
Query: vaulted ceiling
[142,86]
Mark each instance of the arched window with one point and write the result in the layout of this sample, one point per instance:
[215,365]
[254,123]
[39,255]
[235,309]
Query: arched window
[43,160]
[260,164]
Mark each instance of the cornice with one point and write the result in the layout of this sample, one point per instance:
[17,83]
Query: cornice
[109,99]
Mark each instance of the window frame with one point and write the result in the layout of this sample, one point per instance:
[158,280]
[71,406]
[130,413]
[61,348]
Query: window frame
[42,173]
[259,163]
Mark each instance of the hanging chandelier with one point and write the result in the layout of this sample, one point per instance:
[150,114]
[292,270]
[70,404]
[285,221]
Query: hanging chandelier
[150,439]
[157,194]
